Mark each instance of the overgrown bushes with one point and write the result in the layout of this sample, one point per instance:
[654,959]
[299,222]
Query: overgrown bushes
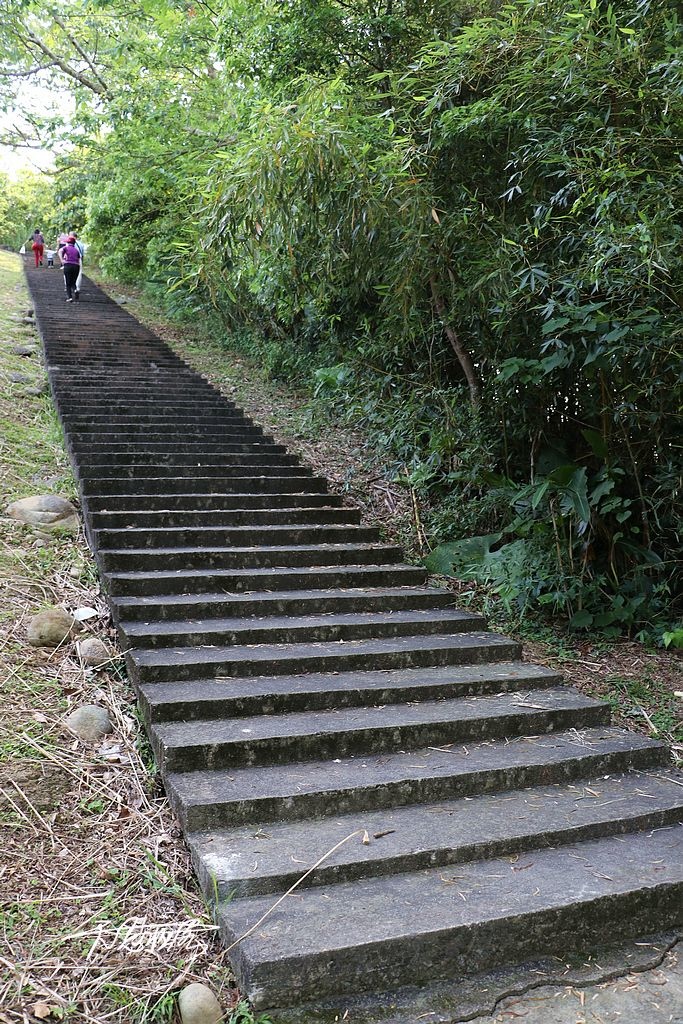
[483,246]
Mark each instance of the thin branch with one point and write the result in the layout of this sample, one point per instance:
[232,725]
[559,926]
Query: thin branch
[77,76]
[26,74]
[463,356]
[7,140]
[79,49]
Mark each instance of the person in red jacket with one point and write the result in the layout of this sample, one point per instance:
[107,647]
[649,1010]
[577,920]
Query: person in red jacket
[38,246]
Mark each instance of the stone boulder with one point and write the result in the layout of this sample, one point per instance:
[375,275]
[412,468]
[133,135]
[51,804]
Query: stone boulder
[49,513]
[198,1005]
[93,652]
[51,627]
[89,723]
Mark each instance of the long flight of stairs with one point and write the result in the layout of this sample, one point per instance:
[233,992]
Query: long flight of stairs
[306,691]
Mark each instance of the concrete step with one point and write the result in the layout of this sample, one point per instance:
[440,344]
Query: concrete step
[177,382]
[205,558]
[432,925]
[415,651]
[255,861]
[315,736]
[257,518]
[97,463]
[235,483]
[203,468]
[77,413]
[205,800]
[169,433]
[288,629]
[148,396]
[268,603]
[154,404]
[169,436]
[209,502]
[240,536]
[160,449]
[139,423]
[320,691]
[186,581]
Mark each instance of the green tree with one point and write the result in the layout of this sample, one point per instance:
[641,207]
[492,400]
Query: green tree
[26,203]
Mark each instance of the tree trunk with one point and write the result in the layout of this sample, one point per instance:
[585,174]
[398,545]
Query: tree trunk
[463,356]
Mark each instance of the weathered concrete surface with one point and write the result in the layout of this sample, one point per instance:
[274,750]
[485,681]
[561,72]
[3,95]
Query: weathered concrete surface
[649,997]
[632,983]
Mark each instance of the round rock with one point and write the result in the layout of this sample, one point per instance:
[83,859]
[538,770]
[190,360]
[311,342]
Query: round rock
[48,512]
[198,1005]
[89,723]
[93,652]
[50,627]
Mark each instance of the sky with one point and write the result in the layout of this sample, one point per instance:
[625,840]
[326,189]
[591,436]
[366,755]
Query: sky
[34,98]
[14,161]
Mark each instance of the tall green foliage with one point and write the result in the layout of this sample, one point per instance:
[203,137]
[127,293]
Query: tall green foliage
[26,203]
[458,221]
[499,211]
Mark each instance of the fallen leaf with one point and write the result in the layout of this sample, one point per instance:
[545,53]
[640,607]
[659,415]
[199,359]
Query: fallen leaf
[41,1010]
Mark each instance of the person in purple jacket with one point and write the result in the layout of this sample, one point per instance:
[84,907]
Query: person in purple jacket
[70,256]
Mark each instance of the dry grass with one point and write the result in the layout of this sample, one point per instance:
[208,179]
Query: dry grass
[101,918]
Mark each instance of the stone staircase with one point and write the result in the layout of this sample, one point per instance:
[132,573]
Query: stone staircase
[306,691]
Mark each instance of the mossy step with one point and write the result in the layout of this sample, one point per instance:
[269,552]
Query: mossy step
[177,701]
[175,473]
[97,464]
[317,735]
[209,502]
[287,629]
[159,449]
[433,925]
[326,789]
[227,518]
[206,580]
[412,651]
[238,482]
[240,536]
[267,603]
[254,861]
